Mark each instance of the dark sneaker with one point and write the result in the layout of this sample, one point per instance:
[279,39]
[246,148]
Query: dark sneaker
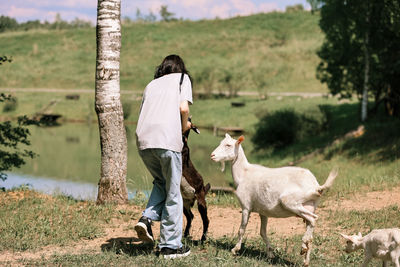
[169,253]
[143,230]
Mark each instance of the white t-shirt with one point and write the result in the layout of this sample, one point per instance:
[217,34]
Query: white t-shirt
[159,124]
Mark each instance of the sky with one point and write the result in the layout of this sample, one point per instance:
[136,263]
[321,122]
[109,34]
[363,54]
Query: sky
[46,10]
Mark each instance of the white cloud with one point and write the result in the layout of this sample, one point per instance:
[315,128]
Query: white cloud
[197,3]
[24,14]
[155,6]
[268,7]
[222,8]
[244,7]
[14,11]
[58,4]
[221,11]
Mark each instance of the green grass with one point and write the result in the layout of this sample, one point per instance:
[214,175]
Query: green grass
[327,245]
[264,52]
[31,221]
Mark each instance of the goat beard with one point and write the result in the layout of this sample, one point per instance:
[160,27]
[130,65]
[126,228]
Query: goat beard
[222,166]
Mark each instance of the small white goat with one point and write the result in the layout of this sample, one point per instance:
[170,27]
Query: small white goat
[380,243]
[272,192]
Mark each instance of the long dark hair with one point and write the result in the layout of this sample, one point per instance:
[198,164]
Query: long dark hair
[171,64]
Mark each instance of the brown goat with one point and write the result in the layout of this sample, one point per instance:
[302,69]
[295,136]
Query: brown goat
[192,188]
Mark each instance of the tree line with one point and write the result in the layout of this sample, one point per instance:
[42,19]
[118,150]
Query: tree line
[11,24]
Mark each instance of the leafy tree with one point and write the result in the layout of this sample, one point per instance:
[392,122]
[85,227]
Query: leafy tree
[165,14]
[150,17]
[11,136]
[139,16]
[360,54]
[295,8]
[7,23]
[5,59]
[315,5]
[388,51]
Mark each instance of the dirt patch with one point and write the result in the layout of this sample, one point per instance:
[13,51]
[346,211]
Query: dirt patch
[223,222]
[368,201]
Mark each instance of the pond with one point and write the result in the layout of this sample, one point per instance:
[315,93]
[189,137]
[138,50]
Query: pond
[68,161]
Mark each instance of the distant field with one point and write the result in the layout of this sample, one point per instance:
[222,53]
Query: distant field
[274,52]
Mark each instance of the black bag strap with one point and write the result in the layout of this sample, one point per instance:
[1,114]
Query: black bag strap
[181,81]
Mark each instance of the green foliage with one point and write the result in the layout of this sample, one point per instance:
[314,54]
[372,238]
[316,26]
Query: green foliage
[315,5]
[4,59]
[139,17]
[7,23]
[10,104]
[165,14]
[284,127]
[11,137]
[127,107]
[295,8]
[354,30]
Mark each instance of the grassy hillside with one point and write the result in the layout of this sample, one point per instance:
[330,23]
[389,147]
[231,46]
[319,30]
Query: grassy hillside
[264,52]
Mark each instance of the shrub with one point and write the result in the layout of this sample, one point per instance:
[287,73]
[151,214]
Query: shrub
[10,104]
[127,108]
[284,127]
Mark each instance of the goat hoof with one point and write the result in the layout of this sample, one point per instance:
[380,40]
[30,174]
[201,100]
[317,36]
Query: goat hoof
[304,249]
[234,252]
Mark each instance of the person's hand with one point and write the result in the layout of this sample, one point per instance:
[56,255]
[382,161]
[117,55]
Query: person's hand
[187,126]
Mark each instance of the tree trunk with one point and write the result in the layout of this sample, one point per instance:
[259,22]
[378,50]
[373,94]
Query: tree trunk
[112,184]
[364,103]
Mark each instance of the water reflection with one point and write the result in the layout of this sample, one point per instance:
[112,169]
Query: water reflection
[77,190]
[51,186]
[71,153]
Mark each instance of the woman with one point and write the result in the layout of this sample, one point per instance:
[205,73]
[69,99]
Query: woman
[163,117]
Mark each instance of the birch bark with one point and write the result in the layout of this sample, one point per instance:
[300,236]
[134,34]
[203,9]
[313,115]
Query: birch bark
[112,184]
[364,101]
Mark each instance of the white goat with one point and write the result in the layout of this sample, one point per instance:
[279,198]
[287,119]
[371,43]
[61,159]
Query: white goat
[272,192]
[380,243]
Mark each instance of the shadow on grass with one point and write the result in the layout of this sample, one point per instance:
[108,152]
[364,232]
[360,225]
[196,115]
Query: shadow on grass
[253,252]
[380,142]
[131,246]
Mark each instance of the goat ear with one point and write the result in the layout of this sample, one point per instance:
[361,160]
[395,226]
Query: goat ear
[240,140]
[196,130]
[227,135]
[345,236]
[359,234]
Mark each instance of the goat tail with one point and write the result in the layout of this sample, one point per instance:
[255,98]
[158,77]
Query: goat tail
[329,181]
[207,188]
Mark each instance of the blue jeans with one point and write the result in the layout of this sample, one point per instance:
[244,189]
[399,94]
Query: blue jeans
[165,203]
